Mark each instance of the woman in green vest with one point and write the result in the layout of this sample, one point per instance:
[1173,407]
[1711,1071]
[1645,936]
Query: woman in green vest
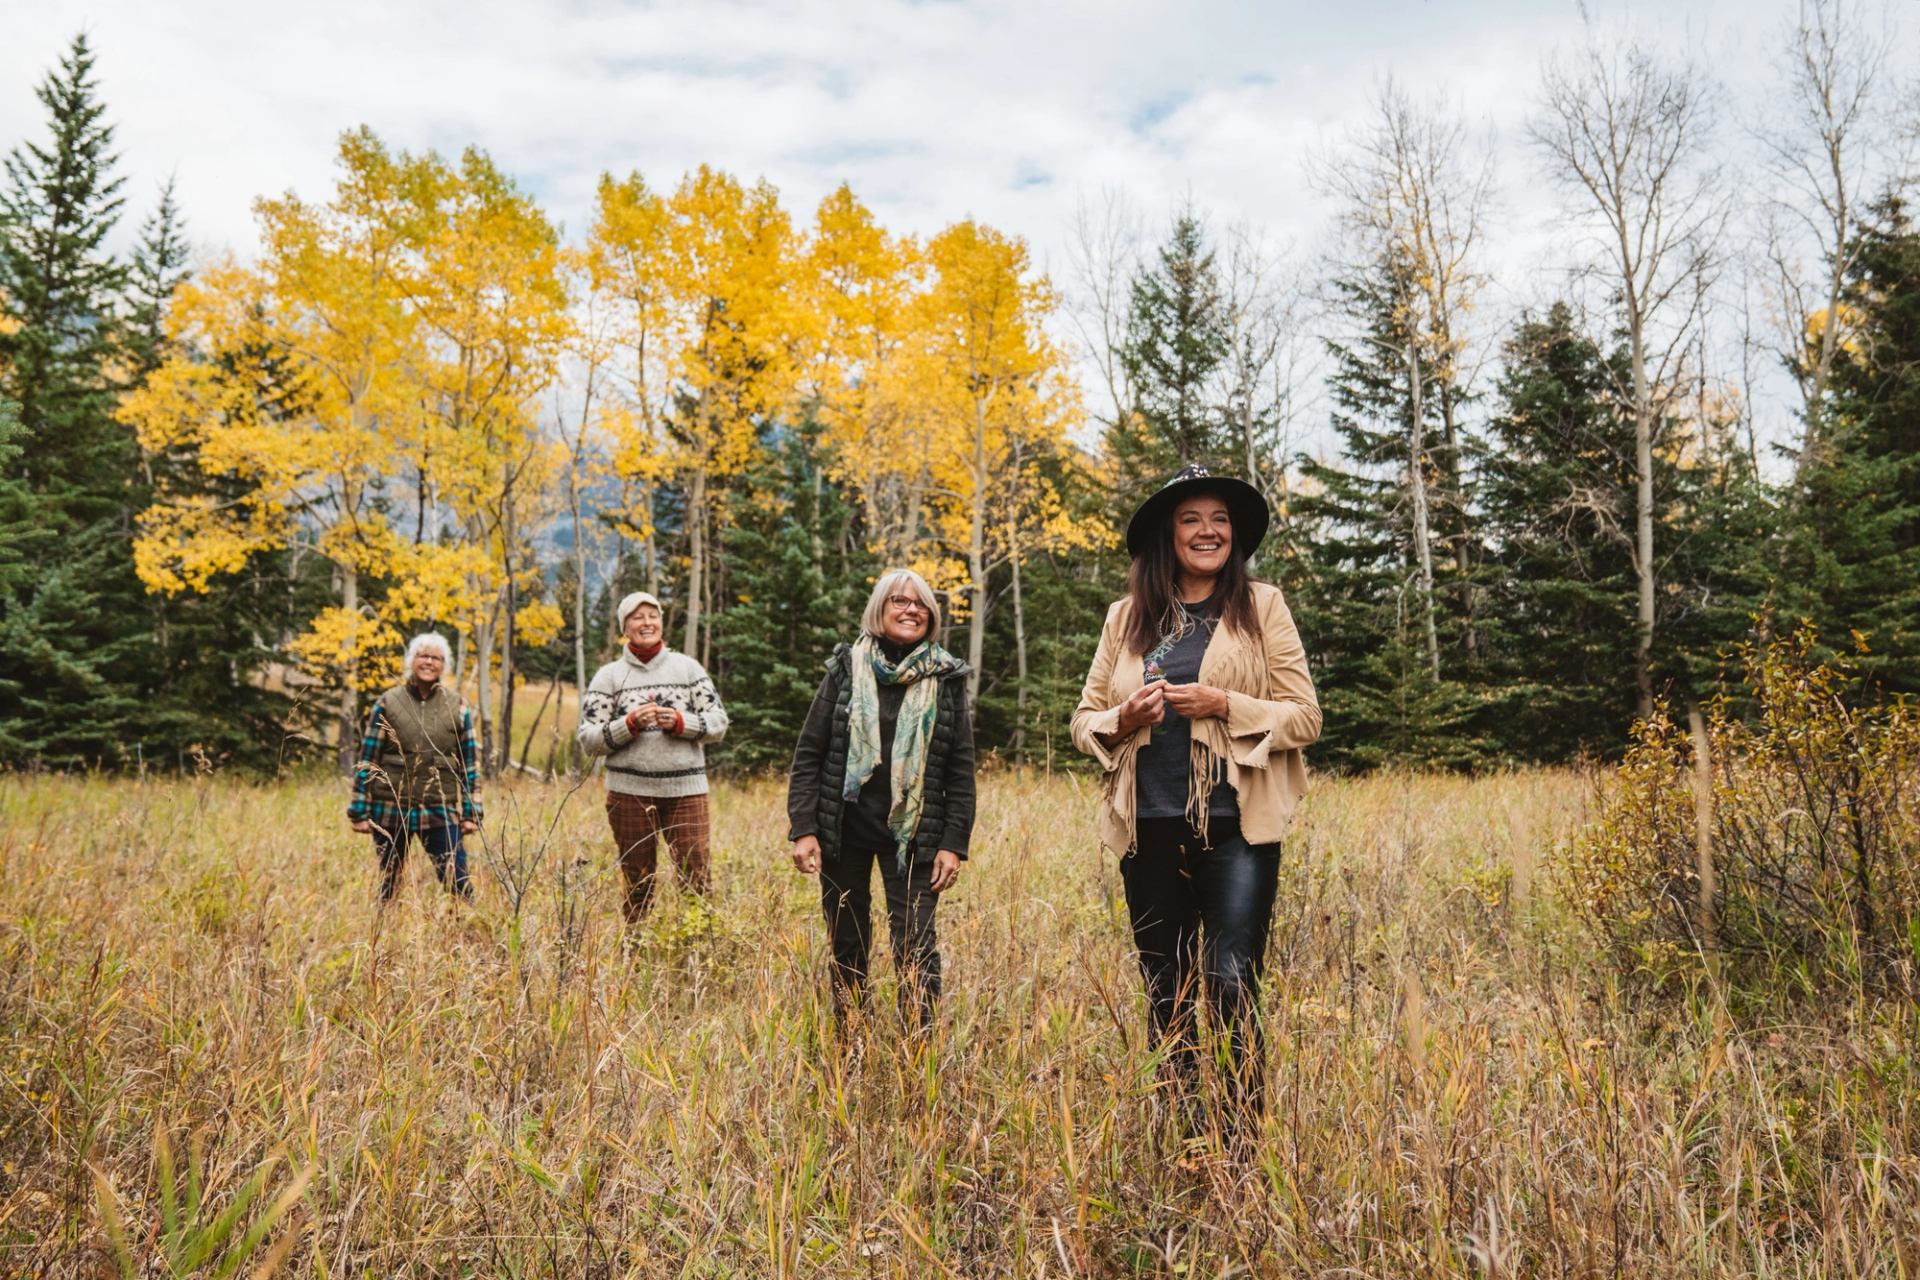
[883,774]
[419,771]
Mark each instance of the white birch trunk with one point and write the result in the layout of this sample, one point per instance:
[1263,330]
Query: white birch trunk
[1417,485]
[350,687]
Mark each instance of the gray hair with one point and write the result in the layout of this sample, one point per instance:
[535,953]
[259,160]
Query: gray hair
[428,640]
[873,617]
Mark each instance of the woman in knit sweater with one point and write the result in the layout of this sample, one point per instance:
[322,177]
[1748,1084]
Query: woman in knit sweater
[418,777]
[883,773]
[653,712]
[1197,708]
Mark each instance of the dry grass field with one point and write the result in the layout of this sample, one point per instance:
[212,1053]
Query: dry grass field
[218,1057]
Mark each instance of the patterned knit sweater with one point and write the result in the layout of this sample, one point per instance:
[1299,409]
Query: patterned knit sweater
[653,762]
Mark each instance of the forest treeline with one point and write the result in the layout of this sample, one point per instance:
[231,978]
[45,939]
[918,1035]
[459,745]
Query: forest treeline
[231,488]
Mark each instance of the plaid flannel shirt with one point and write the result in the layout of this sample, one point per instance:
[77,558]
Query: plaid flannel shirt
[390,817]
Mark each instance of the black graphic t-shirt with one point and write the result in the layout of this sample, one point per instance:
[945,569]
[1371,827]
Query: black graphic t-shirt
[1164,764]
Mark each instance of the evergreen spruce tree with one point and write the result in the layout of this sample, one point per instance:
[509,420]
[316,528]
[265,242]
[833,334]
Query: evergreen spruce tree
[1175,343]
[1856,548]
[1064,599]
[798,574]
[1557,486]
[93,669]
[23,542]
[1723,528]
[58,286]
[159,268]
[75,660]
[1348,556]
[209,649]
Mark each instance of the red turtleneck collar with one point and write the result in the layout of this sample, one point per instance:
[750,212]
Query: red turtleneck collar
[646,655]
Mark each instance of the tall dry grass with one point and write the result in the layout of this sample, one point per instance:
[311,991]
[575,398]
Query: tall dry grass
[197,993]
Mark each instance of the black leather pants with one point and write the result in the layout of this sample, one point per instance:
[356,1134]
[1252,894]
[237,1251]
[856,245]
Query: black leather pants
[1200,918]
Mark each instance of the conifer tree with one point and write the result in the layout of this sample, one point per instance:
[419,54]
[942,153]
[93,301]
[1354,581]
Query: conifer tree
[58,286]
[1856,552]
[1176,341]
[1724,529]
[22,538]
[799,573]
[75,666]
[159,267]
[1350,550]
[208,647]
[1557,484]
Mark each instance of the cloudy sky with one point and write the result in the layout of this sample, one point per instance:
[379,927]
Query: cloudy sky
[1011,111]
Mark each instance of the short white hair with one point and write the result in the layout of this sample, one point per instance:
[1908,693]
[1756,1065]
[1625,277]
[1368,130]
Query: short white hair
[873,618]
[428,640]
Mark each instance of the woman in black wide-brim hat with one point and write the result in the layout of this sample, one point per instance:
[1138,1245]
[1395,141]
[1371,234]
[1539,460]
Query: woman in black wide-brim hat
[1197,707]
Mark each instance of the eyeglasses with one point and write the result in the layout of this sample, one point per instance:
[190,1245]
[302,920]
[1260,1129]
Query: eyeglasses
[904,603]
[430,657]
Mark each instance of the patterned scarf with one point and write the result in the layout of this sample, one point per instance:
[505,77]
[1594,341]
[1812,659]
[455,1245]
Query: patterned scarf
[919,671]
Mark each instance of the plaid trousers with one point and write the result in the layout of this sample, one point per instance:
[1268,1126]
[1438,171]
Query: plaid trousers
[637,822]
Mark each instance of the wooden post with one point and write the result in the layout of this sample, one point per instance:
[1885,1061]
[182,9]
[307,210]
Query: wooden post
[1703,830]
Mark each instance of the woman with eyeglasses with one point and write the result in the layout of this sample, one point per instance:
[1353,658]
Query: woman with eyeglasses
[883,773]
[418,777]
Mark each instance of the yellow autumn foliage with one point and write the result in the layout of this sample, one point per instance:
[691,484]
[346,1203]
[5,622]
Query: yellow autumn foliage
[1815,813]
[538,622]
[370,388]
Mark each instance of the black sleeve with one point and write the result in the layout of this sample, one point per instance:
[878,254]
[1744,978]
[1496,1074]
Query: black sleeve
[958,830]
[803,778]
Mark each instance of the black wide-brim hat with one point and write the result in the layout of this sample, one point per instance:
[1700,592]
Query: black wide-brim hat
[1245,507]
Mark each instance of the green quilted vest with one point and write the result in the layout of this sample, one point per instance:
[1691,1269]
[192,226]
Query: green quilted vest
[419,760]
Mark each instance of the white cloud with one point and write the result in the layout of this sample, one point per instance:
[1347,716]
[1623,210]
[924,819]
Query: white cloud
[997,109]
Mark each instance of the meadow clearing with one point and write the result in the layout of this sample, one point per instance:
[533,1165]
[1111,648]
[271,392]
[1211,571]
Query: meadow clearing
[216,1052]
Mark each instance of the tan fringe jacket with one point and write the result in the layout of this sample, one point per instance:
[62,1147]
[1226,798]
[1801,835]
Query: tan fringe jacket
[1271,714]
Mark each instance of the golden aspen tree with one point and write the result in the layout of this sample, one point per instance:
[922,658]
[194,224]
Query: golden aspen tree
[860,284]
[491,297]
[706,276]
[590,351]
[1000,397]
[289,375]
[732,320]
[626,269]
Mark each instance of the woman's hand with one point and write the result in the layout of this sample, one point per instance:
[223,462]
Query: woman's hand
[806,855]
[468,826]
[1146,706]
[1197,701]
[363,826]
[644,716]
[946,870]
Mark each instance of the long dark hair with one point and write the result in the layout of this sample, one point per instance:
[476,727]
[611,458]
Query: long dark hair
[1153,584]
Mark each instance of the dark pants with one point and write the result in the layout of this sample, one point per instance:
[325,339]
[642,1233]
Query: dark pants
[443,849]
[639,824]
[846,896]
[1200,918]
